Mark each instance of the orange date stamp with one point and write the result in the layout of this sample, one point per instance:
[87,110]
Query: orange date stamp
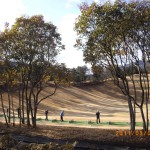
[132,133]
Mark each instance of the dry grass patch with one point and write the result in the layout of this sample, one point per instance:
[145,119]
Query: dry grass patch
[72,134]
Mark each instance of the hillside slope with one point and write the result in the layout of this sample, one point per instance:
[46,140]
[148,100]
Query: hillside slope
[81,103]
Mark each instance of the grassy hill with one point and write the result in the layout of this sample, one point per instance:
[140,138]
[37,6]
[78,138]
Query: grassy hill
[81,103]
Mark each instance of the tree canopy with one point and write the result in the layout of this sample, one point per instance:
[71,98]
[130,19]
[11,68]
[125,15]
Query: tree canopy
[32,45]
[116,37]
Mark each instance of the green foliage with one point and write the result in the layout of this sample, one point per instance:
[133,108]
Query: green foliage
[102,31]
[40,40]
[32,45]
[78,74]
[113,35]
[97,70]
[116,37]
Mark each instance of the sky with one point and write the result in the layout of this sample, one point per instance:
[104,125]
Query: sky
[62,13]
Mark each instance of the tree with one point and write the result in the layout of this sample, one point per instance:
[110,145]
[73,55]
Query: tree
[114,36]
[97,70]
[78,75]
[82,72]
[8,74]
[33,45]
[61,74]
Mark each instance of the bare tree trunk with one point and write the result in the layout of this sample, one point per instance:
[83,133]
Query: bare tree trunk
[27,105]
[20,119]
[4,110]
[147,117]
[27,110]
[22,98]
[32,112]
[132,115]
[143,118]
[134,112]
[34,117]
[13,109]
[9,107]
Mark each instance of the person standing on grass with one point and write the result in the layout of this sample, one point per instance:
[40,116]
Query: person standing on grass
[97,117]
[46,115]
[61,115]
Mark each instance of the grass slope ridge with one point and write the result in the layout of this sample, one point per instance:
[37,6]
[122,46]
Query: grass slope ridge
[81,103]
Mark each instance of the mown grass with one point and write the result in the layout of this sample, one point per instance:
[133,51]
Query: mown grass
[75,122]
[89,122]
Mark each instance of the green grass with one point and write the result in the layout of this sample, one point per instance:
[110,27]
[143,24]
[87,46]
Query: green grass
[92,123]
[119,123]
[1,115]
[39,119]
[139,124]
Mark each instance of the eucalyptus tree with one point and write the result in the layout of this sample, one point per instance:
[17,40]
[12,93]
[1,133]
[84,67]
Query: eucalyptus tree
[116,36]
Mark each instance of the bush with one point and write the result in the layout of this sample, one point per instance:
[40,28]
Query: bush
[89,122]
[54,120]
[71,121]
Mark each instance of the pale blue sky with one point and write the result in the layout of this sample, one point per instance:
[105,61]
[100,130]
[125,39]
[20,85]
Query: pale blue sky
[61,13]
